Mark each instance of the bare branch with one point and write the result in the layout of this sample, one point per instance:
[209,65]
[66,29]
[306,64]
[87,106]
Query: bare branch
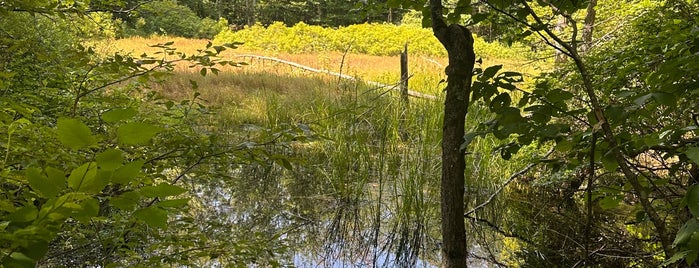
[507,182]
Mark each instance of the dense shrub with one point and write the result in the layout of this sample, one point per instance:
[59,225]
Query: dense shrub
[372,39]
[170,18]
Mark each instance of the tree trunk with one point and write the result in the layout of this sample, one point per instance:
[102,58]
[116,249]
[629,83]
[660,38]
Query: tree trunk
[560,26]
[459,45]
[250,9]
[589,25]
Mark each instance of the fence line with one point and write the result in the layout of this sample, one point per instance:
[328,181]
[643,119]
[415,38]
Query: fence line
[411,93]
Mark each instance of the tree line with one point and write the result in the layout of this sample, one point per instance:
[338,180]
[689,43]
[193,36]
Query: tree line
[195,18]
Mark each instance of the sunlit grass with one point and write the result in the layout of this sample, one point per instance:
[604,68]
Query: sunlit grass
[426,73]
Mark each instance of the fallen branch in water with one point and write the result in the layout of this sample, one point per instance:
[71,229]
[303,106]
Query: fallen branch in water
[343,76]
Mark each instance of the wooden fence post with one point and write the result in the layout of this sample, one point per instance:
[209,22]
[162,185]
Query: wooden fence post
[404,92]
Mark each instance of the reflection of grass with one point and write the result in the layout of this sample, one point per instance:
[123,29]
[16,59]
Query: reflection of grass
[381,171]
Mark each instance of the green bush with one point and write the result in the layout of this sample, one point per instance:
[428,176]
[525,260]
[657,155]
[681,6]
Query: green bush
[208,28]
[372,39]
[169,18]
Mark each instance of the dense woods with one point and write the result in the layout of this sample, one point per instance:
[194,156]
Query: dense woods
[145,134]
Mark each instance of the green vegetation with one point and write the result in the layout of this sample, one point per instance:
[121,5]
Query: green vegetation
[371,39]
[169,18]
[179,155]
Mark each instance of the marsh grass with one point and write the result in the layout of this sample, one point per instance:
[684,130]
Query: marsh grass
[372,168]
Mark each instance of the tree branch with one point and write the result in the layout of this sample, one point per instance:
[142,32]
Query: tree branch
[507,182]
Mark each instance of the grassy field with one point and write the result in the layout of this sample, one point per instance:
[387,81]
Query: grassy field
[426,71]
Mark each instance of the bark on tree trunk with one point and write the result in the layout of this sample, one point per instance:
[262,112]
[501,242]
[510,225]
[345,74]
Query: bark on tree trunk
[589,25]
[560,26]
[458,42]
[250,6]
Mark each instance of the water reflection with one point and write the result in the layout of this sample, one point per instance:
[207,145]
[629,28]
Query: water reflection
[310,223]
[362,198]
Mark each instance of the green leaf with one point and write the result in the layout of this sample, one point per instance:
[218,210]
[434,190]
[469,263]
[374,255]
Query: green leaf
[36,249]
[74,134]
[89,208]
[174,203]
[285,163]
[56,176]
[137,133]
[82,177]
[153,216]
[18,260]
[693,154]
[110,159]
[25,214]
[500,102]
[162,190]
[609,162]
[686,232]
[101,180]
[490,72]
[678,256]
[478,17]
[558,95]
[549,131]
[640,101]
[128,172]
[40,183]
[610,202]
[665,98]
[117,115]
[691,257]
[6,206]
[564,146]
[693,200]
[126,201]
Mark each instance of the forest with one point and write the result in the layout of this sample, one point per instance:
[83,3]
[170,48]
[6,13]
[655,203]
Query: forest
[339,133]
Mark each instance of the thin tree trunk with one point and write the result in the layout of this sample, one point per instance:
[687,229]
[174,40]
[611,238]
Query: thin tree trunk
[459,45]
[589,25]
[250,6]
[560,26]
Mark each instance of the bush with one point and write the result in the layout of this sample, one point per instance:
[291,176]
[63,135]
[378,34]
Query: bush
[208,28]
[169,18]
[372,39]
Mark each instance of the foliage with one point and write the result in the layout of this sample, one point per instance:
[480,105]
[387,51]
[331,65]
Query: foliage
[329,13]
[170,18]
[92,163]
[360,38]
